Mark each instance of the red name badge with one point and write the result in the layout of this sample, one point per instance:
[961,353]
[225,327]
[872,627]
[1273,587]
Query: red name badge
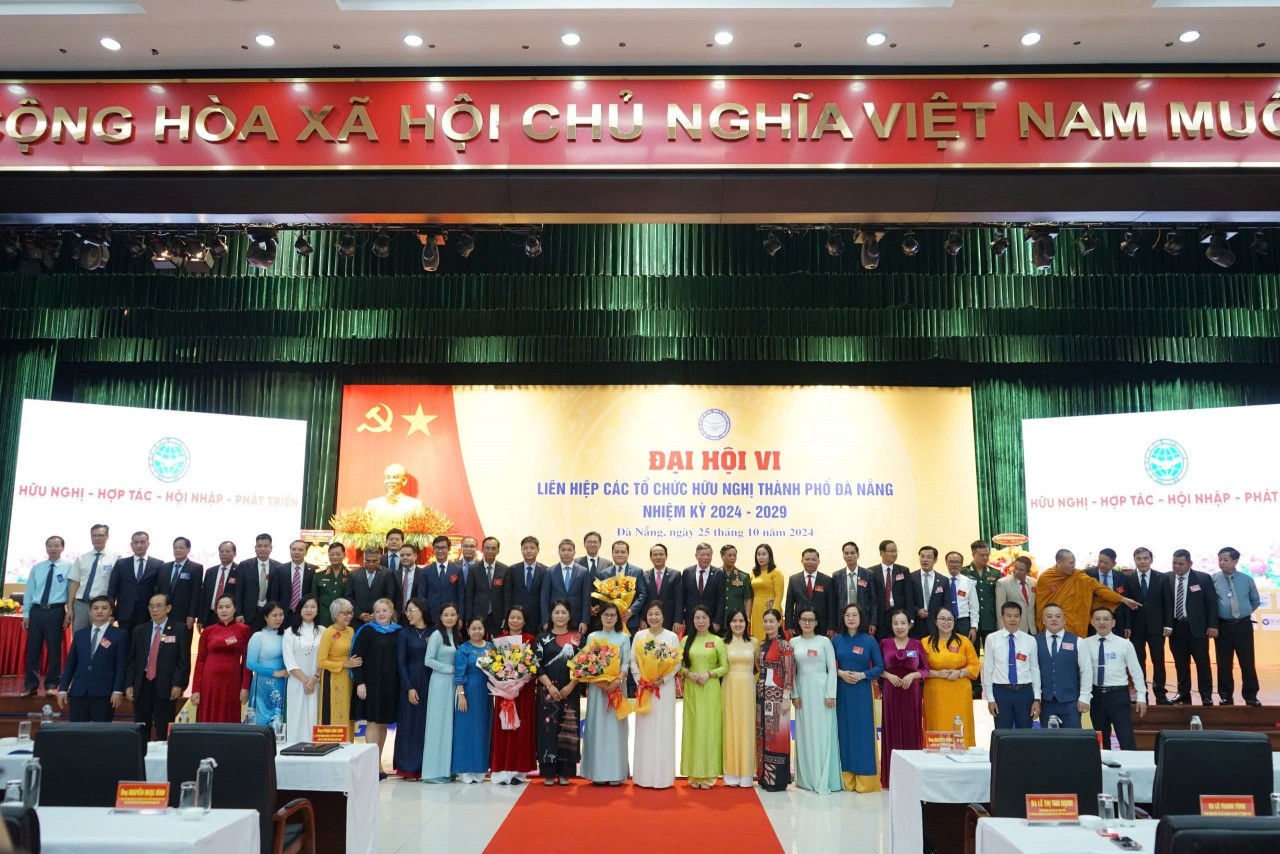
[1068,646]
[898,577]
[862,582]
[230,641]
[857,650]
[104,643]
[1120,589]
[817,588]
[497,582]
[1195,588]
[1022,656]
[710,645]
[142,796]
[1051,808]
[1233,805]
[962,592]
[813,653]
[328,734]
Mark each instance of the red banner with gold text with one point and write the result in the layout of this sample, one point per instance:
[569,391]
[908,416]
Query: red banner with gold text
[613,123]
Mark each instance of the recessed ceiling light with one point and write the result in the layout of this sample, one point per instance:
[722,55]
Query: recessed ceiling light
[264,40]
[877,39]
[570,39]
[1189,36]
[413,40]
[724,37]
[1031,38]
[109,43]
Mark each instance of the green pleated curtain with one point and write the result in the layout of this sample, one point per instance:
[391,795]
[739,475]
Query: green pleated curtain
[655,303]
[26,373]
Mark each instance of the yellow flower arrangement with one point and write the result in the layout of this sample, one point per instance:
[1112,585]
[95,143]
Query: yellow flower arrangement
[10,606]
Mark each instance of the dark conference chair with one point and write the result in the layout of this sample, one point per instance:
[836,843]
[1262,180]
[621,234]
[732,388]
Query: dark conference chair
[1194,834]
[82,763]
[244,779]
[1192,763]
[23,826]
[1038,761]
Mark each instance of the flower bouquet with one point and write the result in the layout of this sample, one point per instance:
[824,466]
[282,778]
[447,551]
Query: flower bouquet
[1002,559]
[601,663]
[657,661]
[617,590]
[358,527]
[508,668]
[10,606]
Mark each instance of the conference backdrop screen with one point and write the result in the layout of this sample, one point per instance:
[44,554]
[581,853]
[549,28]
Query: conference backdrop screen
[1198,479]
[795,467]
[205,477]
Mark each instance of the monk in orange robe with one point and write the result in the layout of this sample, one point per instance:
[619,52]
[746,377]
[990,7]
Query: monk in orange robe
[1075,592]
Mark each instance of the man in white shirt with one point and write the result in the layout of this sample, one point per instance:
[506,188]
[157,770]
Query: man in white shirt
[961,594]
[90,575]
[1112,663]
[1011,672]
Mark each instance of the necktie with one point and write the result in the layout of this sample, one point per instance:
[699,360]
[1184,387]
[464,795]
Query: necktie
[222,581]
[151,654]
[1106,579]
[1013,661]
[1180,606]
[593,565]
[1101,679]
[1054,653]
[955,605]
[297,588]
[1025,597]
[406,581]
[657,580]
[488,571]
[262,578]
[393,561]
[1143,578]
[48,584]
[528,577]
[888,587]
[173,575]
[808,580]
[138,575]
[566,579]
[97,636]
[93,570]
[1231,595]
[702,581]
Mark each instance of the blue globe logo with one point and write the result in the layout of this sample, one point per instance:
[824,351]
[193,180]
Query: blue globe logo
[713,424]
[170,460]
[1166,461]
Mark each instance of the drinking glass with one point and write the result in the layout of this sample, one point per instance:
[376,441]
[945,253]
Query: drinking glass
[24,731]
[187,802]
[1107,809]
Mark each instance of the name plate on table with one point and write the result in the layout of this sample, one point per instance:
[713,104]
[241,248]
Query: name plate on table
[142,797]
[1230,805]
[935,741]
[1052,808]
[328,734]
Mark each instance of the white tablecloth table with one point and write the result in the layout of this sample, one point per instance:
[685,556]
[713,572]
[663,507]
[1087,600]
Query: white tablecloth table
[352,770]
[76,830]
[1015,836]
[919,777]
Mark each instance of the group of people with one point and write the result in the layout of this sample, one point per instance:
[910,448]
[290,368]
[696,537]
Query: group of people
[400,641]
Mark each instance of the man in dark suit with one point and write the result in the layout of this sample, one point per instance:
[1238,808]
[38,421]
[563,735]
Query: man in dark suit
[463,566]
[291,581]
[391,553]
[930,595]
[440,583]
[703,585]
[1107,575]
[527,578]
[94,675]
[1061,671]
[159,664]
[408,579]
[810,589]
[568,581]
[367,585]
[488,588]
[133,580]
[593,560]
[663,584]
[220,580]
[857,585]
[1191,608]
[255,583]
[898,590]
[1146,625]
[621,565]
[181,580]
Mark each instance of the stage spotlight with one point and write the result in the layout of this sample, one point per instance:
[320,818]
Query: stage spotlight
[93,250]
[1000,245]
[347,245]
[1130,245]
[262,248]
[870,241]
[165,254]
[302,246]
[430,254]
[218,248]
[137,246]
[1261,243]
[772,245]
[198,254]
[1173,244]
[381,246]
[466,245]
[532,246]
[910,245]
[954,243]
[1218,251]
[1042,247]
[835,244]
[1087,242]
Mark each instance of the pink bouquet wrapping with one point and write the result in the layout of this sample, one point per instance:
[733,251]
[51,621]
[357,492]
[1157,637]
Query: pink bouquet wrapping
[508,668]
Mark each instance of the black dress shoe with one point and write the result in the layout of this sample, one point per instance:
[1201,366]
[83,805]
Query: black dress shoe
[1227,702]
[30,692]
[1207,703]
[1255,702]
[1182,701]
[1163,701]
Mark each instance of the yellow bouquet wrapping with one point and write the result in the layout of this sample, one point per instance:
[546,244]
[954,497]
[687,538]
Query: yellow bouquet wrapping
[657,661]
[617,590]
[601,663]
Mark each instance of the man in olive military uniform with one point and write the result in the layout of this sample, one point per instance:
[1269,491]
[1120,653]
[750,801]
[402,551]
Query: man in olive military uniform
[985,578]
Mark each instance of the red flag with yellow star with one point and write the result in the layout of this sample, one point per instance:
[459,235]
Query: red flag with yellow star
[400,462]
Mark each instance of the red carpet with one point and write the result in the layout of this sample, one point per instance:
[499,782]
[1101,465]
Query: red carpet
[672,821]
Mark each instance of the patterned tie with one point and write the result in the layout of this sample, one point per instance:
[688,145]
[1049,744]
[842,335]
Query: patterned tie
[48,585]
[1013,661]
[93,571]
[297,588]
[1101,679]
[1180,606]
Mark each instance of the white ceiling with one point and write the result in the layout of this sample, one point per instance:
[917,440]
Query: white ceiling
[51,35]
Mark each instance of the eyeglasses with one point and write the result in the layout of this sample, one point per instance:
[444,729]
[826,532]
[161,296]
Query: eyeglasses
[808,619]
